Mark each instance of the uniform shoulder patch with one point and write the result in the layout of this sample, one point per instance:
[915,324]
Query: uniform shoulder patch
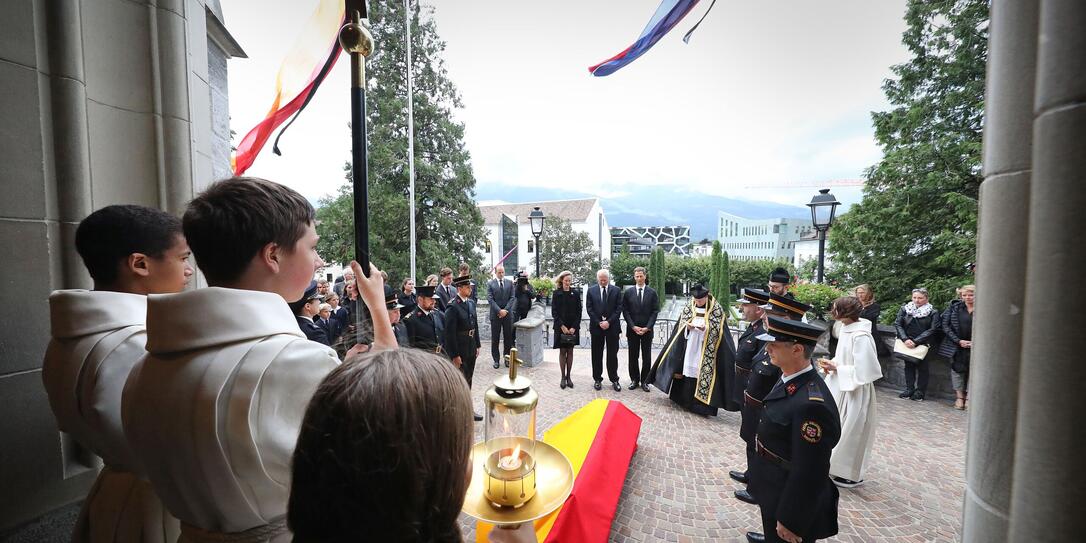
[813,393]
[811,431]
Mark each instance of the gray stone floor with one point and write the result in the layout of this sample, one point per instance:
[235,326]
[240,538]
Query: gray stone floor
[677,488]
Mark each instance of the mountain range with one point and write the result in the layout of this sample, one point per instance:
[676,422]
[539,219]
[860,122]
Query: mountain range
[675,207]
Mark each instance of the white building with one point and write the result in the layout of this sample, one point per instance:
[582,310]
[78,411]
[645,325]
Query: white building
[807,249]
[507,226]
[702,249]
[760,239]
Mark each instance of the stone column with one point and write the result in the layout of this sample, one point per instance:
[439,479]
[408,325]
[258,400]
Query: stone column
[1001,269]
[1049,483]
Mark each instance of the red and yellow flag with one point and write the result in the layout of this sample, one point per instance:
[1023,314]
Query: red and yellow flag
[310,59]
[599,440]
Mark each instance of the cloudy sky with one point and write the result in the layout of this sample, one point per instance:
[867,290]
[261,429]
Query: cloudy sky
[767,94]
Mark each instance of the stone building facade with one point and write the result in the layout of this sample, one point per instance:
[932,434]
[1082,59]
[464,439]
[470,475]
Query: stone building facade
[105,102]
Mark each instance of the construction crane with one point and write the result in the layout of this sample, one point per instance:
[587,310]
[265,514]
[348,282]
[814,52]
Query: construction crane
[799,184]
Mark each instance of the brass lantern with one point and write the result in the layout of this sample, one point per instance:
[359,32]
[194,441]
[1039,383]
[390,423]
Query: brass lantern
[509,438]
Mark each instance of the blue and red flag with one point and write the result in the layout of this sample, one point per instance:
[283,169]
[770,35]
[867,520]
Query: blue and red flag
[669,14]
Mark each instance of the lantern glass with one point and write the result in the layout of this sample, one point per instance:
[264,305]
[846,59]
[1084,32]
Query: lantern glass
[509,435]
[823,209]
[536,219]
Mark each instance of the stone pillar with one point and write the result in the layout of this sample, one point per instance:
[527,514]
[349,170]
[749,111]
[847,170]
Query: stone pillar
[529,331]
[1001,269]
[1049,484]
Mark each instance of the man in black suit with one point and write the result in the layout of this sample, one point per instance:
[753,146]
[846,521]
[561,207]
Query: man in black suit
[445,293]
[499,293]
[462,331]
[640,306]
[604,304]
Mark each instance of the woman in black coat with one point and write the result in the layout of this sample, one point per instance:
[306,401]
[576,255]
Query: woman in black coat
[957,342]
[566,311]
[917,323]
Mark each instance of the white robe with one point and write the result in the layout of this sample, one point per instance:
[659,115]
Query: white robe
[853,388]
[214,409]
[98,337]
[695,339]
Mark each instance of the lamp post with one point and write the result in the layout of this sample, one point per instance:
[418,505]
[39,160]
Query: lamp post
[536,219]
[489,251]
[823,208]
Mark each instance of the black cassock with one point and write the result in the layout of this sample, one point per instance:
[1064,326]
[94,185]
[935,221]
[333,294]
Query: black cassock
[707,393]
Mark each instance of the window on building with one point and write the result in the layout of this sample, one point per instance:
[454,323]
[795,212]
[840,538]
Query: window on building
[531,246]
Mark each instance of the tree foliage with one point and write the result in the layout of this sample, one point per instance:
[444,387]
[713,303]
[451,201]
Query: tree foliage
[658,273]
[916,225]
[562,248]
[724,283]
[714,270]
[622,266]
[448,224]
[755,273]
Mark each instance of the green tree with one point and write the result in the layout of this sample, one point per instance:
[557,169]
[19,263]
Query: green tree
[622,265]
[658,274]
[916,225]
[755,273]
[714,272]
[448,224]
[724,283]
[561,248]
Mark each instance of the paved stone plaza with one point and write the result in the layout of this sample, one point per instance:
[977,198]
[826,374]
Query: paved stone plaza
[678,488]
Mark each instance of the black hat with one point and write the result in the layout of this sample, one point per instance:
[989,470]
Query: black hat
[426,291]
[753,296]
[784,304]
[392,301]
[310,294]
[699,291]
[462,280]
[778,329]
[780,275]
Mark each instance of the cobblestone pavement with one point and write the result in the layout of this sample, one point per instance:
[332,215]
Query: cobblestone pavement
[677,488]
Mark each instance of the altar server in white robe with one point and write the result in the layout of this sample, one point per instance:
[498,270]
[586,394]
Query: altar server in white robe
[851,376]
[97,336]
[213,411]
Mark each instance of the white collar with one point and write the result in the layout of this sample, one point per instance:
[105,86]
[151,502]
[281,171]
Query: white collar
[76,313]
[207,317]
[786,378]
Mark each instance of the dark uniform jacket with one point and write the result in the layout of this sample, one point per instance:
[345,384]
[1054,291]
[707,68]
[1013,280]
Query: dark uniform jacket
[763,376]
[461,330]
[799,428]
[746,350]
[312,330]
[426,331]
[400,330]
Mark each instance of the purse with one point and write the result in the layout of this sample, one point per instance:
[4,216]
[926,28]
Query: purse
[567,339]
[913,354]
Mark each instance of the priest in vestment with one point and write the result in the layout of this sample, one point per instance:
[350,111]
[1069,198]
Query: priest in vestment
[851,376]
[694,367]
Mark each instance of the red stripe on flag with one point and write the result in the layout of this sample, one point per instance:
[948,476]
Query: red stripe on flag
[590,508]
[616,57]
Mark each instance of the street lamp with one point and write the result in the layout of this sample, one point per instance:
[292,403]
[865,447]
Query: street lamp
[489,251]
[823,208]
[535,218]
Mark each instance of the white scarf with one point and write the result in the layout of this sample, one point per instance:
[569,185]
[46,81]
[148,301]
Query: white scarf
[918,312]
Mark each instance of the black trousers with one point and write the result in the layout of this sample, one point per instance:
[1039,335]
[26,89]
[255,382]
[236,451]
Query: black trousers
[640,346]
[769,528]
[499,328]
[917,373]
[467,366]
[600,340]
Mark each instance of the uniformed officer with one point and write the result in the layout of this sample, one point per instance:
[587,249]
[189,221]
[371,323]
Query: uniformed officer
[392,303]
[748,351]
[797,431]
[761,380]
[426,325]
[305,310]
[462,330]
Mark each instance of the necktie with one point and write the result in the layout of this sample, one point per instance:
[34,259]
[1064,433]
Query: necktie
[640,297]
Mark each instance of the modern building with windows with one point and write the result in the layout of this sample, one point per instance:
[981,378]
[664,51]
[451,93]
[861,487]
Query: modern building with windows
[507,227]
[642,240]
[760,239]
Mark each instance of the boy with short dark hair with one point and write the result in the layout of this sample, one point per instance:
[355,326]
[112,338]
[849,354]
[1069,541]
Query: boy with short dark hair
[213,410]
[98,336]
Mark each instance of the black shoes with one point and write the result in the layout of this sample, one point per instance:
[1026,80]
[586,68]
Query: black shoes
[907,394]
[569,382]
[644,387]
[633,386]
[740,476]
[744,496]
[755,537]
[598,385]
[563,384]
[478,417]
[616,386]
[918,396]
[846,483]
[496,365]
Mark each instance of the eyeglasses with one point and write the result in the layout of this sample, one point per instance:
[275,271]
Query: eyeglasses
[923,291]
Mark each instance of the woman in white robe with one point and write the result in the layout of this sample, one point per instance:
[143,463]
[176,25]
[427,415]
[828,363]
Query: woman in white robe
[851,376]
[98,336]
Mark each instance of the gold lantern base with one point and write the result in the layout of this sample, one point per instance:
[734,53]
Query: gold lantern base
[554,482]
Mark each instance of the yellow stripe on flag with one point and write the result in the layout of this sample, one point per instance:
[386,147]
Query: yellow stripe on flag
[573,436]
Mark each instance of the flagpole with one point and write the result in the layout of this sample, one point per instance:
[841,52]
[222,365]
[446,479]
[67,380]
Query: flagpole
[358,43]
[410,133]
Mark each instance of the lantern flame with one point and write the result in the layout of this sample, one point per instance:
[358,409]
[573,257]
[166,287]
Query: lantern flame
[516,452]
